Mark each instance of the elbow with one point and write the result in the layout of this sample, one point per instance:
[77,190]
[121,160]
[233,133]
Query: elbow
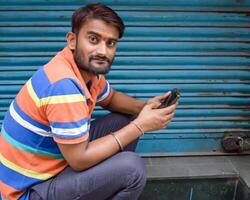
[81,162]
[79,165]
[77,168]
[76,155]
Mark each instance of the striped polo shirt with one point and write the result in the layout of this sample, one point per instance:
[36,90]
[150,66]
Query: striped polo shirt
[54,106]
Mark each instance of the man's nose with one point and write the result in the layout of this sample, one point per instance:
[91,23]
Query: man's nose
[102,48]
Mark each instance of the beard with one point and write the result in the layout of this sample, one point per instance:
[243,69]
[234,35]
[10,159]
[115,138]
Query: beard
[96,64]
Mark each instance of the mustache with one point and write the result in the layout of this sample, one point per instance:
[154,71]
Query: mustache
[100,58]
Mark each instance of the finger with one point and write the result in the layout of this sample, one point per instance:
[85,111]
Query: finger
[166,124]
[155,101]
[169,116]
[164,96]
[156,105]
[173,107]
[153,105]
[168,110]
[161,97]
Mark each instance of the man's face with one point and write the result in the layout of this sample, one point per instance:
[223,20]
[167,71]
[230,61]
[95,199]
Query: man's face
[96,46]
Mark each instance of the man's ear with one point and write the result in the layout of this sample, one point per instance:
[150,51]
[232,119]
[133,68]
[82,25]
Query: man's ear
[71,40]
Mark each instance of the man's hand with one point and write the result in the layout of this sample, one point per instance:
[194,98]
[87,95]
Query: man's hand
[158,99]
[151,118]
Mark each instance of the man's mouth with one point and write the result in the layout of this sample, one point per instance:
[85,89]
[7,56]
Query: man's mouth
[100,61]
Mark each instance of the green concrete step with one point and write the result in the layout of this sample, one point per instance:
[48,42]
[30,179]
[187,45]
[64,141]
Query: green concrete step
[197,178]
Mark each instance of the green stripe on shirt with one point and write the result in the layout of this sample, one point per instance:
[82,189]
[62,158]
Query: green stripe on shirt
[28,148]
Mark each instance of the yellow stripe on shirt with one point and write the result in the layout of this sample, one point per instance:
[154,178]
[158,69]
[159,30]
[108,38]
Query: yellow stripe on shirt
[32,93]
[23,171]
[70,98]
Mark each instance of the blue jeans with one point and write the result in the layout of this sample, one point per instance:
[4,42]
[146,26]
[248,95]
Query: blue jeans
[120,177]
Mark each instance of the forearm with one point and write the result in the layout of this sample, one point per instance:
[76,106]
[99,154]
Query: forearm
[104,147]
[85,155]
[121,102]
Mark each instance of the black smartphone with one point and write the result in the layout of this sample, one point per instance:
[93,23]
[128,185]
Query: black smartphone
[171,99]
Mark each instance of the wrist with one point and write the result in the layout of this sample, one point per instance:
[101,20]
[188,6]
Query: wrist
[141,106]
[138,127]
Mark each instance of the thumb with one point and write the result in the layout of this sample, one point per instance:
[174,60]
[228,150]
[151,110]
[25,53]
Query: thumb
[163,96]
[166,94]
[153,105]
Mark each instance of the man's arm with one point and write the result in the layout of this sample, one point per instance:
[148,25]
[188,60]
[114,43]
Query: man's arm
[85,155]
[121,102]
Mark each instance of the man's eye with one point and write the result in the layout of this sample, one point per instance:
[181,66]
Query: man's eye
[93,39]
[111,43]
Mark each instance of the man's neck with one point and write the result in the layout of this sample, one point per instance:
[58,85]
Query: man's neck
[87,76]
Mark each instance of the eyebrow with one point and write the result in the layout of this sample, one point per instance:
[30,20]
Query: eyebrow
[99,35]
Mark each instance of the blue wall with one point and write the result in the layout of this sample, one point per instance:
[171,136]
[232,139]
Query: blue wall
[200,47]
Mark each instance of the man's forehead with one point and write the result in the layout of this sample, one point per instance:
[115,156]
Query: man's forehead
[101,28]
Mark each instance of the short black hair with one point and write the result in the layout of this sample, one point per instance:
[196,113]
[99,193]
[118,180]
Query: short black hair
[96,11]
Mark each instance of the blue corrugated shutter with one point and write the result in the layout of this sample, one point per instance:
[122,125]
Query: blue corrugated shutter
[200,47]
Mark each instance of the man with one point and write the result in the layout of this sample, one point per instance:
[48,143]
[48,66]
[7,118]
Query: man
[49,147]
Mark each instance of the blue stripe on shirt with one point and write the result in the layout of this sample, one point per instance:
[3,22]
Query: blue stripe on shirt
[69,125]
[28,119]
[20,134]
[65,86]
[14,179]
[40,81]
[71,136]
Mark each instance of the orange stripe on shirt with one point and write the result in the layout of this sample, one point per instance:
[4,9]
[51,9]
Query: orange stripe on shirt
[28,106]
[54,74]
[67,112]
[72,141]
[38,163]
[10,193]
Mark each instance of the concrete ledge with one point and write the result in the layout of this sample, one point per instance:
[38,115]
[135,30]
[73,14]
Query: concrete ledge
[242,166]
[237,166]
[190,167]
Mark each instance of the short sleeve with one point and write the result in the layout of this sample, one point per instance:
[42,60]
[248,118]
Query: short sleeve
[67,112]
[105,89]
